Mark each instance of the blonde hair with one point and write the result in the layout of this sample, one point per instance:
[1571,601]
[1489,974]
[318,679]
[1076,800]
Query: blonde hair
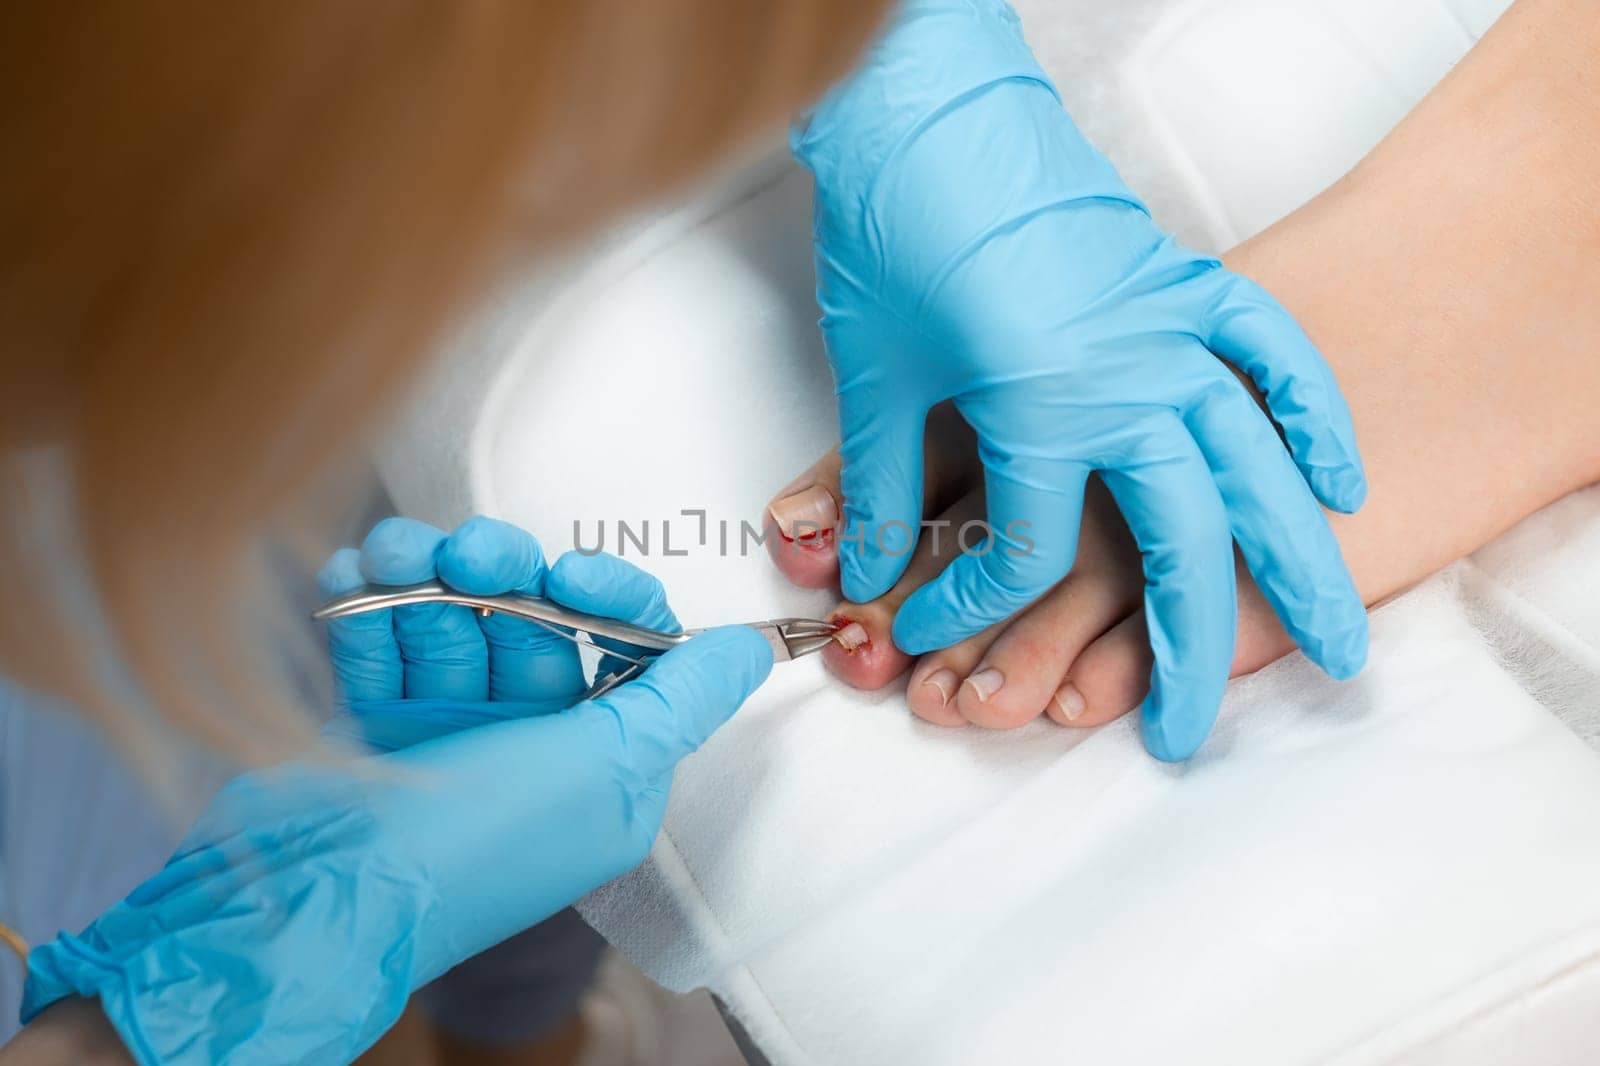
[232,231]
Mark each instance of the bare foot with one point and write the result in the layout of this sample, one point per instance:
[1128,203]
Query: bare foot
[1079,654]
[1457,310]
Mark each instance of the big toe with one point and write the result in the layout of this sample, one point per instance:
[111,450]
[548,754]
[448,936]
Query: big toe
[863,655]
[799,535]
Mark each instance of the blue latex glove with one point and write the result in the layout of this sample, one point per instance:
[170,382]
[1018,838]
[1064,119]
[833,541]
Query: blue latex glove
[309,901]
[970,244]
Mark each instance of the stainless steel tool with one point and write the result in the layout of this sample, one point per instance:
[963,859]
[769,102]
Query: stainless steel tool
[635,646]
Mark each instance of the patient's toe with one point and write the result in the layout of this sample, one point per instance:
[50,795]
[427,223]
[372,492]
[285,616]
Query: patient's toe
[935,683]
[801,520]
[1110,678]
[1112,675]
[866,657]
[862,654]
[1024,668]
[1022,673]
[799,526]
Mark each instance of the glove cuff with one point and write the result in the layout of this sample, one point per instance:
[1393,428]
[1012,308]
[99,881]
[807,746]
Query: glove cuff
[68,966]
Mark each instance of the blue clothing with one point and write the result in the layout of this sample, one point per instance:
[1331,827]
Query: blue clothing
[78,830]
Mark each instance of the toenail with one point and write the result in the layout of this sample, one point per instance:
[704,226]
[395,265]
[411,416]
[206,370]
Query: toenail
[986,682]
[946,682]
[1071,701]
[805,515]
[852,636]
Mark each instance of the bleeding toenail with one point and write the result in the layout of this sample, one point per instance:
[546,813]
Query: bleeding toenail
[807,516]
[1071,701]
[946,682]
[986,682]
[852,636]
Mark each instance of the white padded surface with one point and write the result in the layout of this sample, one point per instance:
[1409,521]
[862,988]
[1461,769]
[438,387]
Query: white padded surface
[1228,114]
[1402,867]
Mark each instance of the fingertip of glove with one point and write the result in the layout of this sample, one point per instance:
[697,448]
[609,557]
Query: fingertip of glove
[943,612]
[487,556]
[744,652]
[615,588]
[918,629]
[341,573]
[1171,736]
[1343,489]
[1347,656]
[855,583]
[399,551]
[1351,500]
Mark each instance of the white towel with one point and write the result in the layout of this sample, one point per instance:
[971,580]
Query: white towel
[1404,865]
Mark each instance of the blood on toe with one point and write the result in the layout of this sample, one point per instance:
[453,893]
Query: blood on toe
[807,539]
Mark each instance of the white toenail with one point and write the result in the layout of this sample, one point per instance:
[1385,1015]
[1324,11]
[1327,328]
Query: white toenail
[986,682]
[946,682]
[1071,701]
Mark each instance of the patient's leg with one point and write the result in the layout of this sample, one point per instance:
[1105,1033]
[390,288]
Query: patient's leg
[1451,280]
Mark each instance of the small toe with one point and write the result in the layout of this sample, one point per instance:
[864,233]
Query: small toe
[937,680]
[1112,675]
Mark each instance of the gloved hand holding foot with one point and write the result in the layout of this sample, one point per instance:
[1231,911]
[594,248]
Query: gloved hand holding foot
[310,900]
[971,245]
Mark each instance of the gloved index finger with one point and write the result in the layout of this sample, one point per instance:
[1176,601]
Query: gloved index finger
[881,426]
[527,662]
[487,557]
[612,588]
[1034,508]
[443,650]
[366,657]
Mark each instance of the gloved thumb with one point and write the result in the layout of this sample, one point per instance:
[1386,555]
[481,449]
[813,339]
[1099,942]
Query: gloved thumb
[685,695]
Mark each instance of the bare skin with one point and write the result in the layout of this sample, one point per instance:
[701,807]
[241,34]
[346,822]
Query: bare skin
[71,1031]
[1451,282]
[75,1031]
[415,1041]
